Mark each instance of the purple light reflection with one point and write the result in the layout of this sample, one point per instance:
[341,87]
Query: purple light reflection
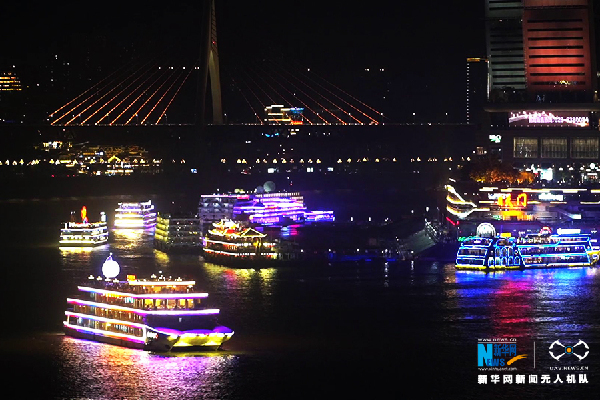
[99,370]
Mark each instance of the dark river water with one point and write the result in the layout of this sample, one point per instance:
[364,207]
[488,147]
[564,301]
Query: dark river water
[407,330]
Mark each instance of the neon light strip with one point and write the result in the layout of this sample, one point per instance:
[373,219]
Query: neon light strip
[81,231]
[105,333]
[145,296]
[209,311]
[269,254]
[134,224]
[83,241]
[102,319]
[162,283]
[243,244]
[561,255]
[584,264]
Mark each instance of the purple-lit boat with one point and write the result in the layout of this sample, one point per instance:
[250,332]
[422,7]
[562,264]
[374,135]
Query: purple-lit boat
[155,314]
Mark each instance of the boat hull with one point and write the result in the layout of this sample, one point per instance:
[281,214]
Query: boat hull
[249,262]
[162,343]
[200,342]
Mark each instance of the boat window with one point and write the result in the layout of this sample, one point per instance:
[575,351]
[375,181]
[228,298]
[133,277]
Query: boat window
[472,252]
[148,303]
[171,303]
[181,303]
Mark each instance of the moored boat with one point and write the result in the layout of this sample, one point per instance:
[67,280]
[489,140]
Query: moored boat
[486,251]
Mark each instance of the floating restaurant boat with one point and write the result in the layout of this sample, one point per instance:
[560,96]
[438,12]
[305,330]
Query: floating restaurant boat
[155,314]
[541,250]
[558,250]
[229,240]
[230,243]
[135,215]
[84,233]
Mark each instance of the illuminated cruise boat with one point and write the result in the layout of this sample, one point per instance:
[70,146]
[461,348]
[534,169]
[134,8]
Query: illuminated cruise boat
[156,314]
[486,251]
[267,208]
[570,249]
[84,233]
[135,215]
[230,243]
[271,210]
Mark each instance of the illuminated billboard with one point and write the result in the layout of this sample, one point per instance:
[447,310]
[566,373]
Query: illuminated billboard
[574,119]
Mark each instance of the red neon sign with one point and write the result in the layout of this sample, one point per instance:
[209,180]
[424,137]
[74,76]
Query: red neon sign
[506,201]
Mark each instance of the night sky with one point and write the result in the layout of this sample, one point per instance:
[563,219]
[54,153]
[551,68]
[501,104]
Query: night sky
[421,45]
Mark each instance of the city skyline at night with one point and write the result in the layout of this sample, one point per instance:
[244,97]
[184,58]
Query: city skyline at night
[384,57]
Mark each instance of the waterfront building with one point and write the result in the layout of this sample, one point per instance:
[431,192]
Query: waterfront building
[9,82]
[97,160]
[158,314]
[84,233]
[135,215]
[277,114]
[178,232]
[477,89]
[547,205]
[504,40]
[543,110]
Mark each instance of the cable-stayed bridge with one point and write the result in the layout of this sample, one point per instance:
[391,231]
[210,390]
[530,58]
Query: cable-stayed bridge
[146,94]
[166,92]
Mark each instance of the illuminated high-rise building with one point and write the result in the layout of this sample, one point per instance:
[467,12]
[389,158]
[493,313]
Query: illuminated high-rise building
[9,82]
[504,40]
[557,49]
[550,122]
[477,88]
[12,98]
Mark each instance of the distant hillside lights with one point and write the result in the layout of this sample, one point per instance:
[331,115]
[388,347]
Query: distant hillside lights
[94,160]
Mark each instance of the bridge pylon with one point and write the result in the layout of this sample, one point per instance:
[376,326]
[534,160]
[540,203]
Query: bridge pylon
[209,66]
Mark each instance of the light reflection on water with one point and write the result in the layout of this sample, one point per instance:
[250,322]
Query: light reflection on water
[536,303]
[295,325]
[97,370]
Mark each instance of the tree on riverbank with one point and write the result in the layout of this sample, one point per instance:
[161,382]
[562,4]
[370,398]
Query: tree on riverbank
[490,170]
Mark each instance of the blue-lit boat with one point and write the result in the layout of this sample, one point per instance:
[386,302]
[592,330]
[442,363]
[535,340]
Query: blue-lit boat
[155,314]
[485,253]
[547,251]
[541,250]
